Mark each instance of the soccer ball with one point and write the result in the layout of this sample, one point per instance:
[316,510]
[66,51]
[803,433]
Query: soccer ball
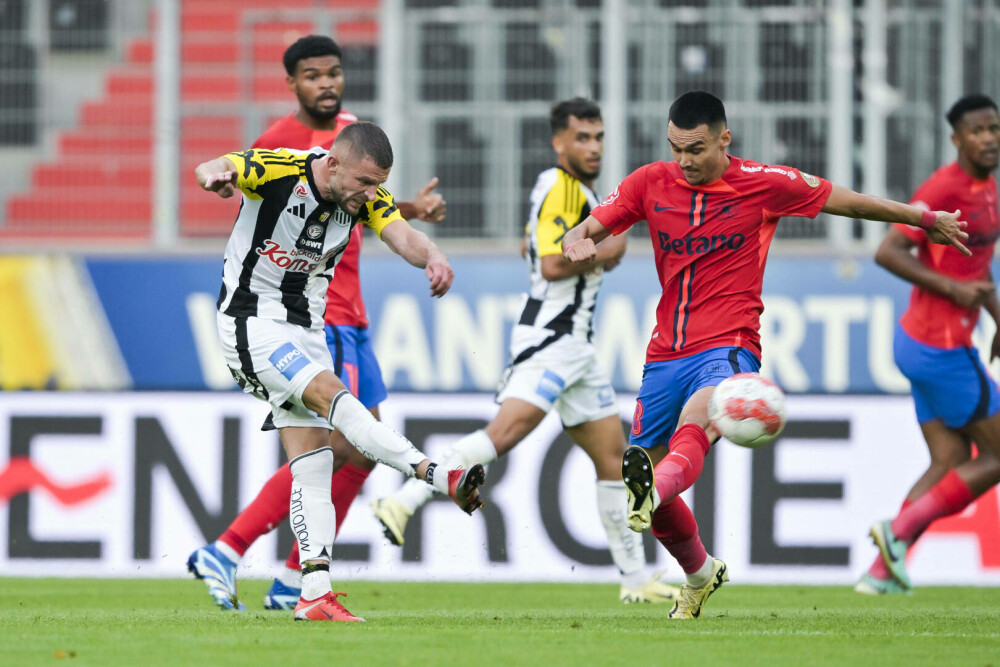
[748,410]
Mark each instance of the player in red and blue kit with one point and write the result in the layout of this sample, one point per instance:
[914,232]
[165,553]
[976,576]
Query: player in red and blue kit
[957,402]
[316,77]
[711,220]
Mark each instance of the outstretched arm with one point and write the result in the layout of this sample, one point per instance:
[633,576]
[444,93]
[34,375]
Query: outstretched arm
[428,205]
[416,248]
[942,227]
[579,244]
[218,176]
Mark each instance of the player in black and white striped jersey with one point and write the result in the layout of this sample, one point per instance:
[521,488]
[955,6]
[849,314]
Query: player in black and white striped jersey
[295,220]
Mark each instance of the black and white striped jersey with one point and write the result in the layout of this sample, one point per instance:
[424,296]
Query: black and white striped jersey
[558,308]
[287,239]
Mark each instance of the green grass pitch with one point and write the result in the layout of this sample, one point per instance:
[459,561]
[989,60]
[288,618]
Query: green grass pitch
[172,622]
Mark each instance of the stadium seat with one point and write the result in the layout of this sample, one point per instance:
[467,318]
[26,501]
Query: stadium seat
[361,61]
[530,65]
[18,94]
[107,156]
[702,61]
[459,159]
[445,64]
[13,16]
[78,25]
[785,65]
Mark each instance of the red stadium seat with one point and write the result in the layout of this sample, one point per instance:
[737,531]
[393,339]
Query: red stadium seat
[105,166]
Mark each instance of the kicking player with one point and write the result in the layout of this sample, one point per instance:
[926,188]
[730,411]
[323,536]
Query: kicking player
[277,267]
[957,403]
[315,75]
[711,220]
[554,364]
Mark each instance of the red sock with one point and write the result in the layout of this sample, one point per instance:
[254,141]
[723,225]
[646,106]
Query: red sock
[292,563]
[267,510]
[674,526]
[878,568]
[681,467]
[947,497]
[346,485]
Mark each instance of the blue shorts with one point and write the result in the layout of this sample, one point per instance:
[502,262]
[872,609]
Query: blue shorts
[667,386]
[354,362]
[950,385]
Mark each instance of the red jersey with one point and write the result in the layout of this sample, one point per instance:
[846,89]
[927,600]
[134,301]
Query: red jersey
[710,244]
[344,305]
[934,319]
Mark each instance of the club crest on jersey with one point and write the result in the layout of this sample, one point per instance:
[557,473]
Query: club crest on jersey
[611,197]
[325,216]
[728,209]
[809,179]
[314,231]
[301,190]
[342,218]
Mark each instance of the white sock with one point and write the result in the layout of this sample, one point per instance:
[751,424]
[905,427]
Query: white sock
[625,545]
[316,584]
[473,448]
[701,577]
[311,514]
[228,551]
[291,578]
[371,437]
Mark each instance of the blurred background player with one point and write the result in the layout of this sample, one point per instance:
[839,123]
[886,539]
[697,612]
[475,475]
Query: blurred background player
[711,220]
[956,401]
[553,363]
[315,75]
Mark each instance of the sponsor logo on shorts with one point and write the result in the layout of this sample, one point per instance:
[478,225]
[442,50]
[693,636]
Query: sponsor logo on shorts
[550,386]
[289,360]
[605,396]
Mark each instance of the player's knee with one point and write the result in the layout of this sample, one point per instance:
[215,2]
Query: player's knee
[945,461]
[320,392]
[989,462]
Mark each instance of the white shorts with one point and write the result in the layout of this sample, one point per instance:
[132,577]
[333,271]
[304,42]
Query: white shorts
[275,361]
[564,376]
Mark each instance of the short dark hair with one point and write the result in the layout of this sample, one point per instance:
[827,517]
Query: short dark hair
[580,107]
[973,102]
[696,108]
[312,46]
[367,140]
